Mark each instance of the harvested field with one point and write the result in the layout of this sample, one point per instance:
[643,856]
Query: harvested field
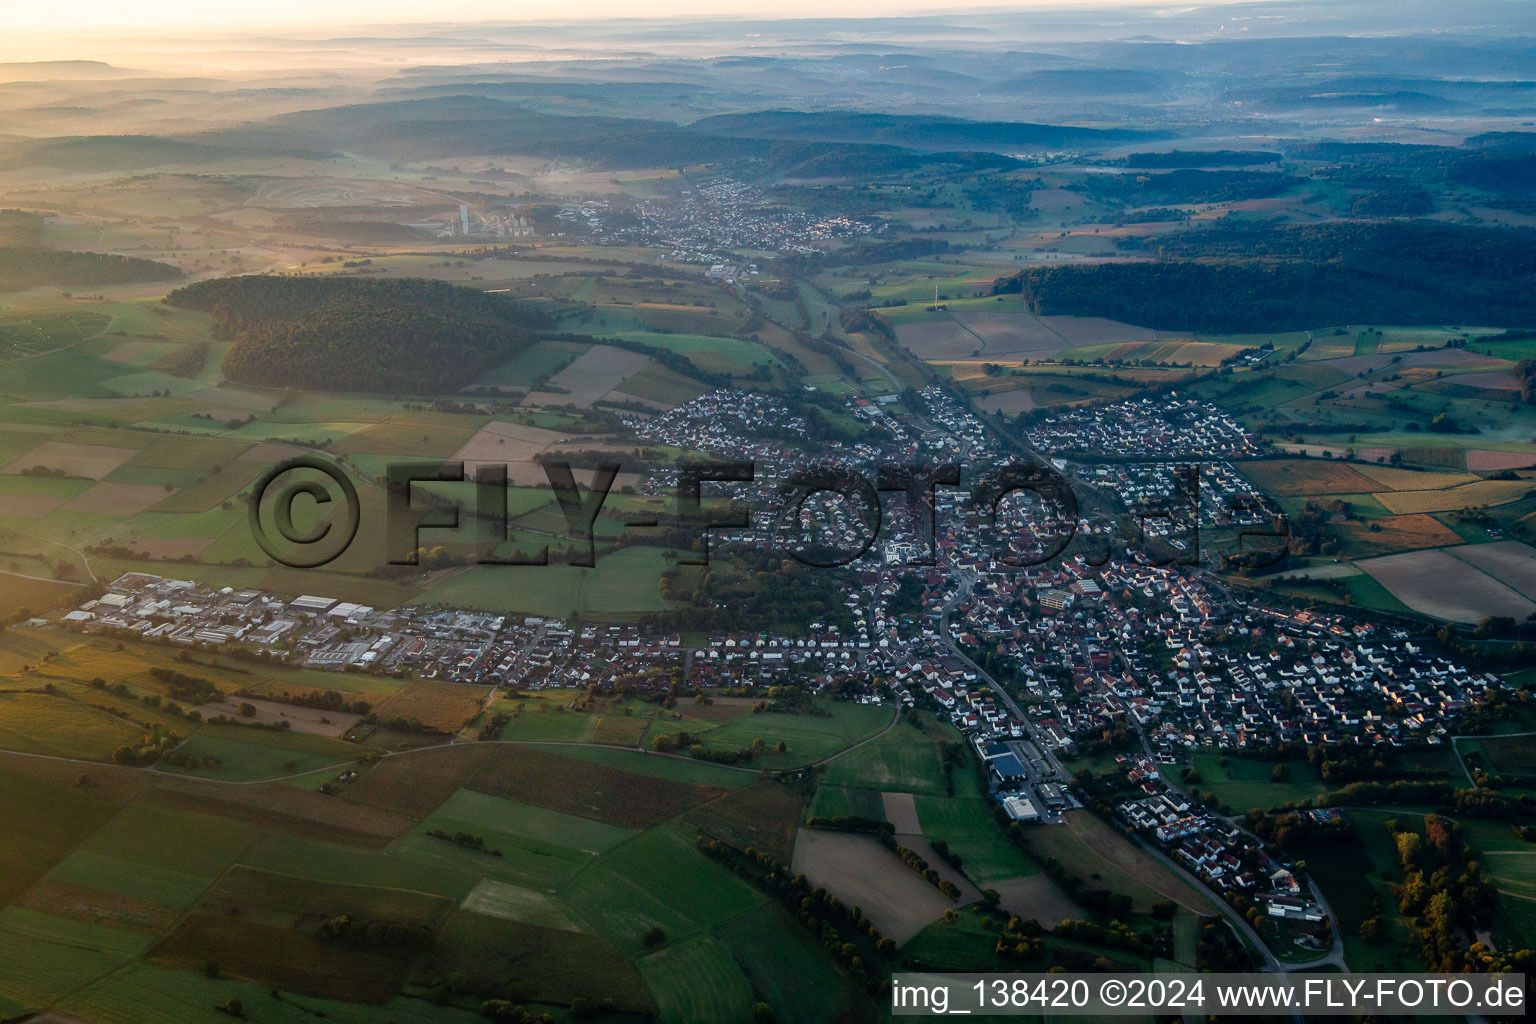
[214,489]
[1397,479]
[1201,353]
[1374,387]
[30,505]
[1486,381]
[416,433]
[136,351]
[173,548]
[863,873]
[270,451]
[1439,458]
[306,720]
[236,398]
[1012,335]
[763,816]
[944,339]
[901,812]
[585,789]
[599,370]
[1484,492]
[499,441]
[441,706]
[1508,561]
[619,731]
[112,910]
[284,808]
[282,957]
[1307,476]
[1096,330]
[1449,357]
[310,193]
[1483,460]
[720,709]
[1007,403]
[513,445]
[417,782]
[1038,897]
[1440,584]
[1356,365]
[1395,533]
[117,499]
[88,460]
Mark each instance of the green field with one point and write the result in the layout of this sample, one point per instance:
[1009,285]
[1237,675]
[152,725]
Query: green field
[534,365]
[535,846]
[807,737]
[1101,856]
[44,957]
[710,353]
[38,723]
[192,844]
[165,886]
[675,769]
[145,993]
[623,584]
[697,982]
[57,819]
[904,760]
[1514,871]
[965,823]
[847,802]
[658,881]
[1245,782]
[787,968]
[244,753]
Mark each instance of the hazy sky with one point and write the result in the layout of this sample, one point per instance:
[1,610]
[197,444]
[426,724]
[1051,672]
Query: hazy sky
[84,17]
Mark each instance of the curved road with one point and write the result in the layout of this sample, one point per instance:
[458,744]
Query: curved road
[1335,956]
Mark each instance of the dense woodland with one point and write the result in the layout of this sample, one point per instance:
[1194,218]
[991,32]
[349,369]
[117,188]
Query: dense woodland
[1186,186]
[25,263]
[347,334]
[28,268]
[1410,249]
[1273,279]
[1497,161]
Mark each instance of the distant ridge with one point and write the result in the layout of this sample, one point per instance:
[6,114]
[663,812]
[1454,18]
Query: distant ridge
[24,71]
[912,132]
